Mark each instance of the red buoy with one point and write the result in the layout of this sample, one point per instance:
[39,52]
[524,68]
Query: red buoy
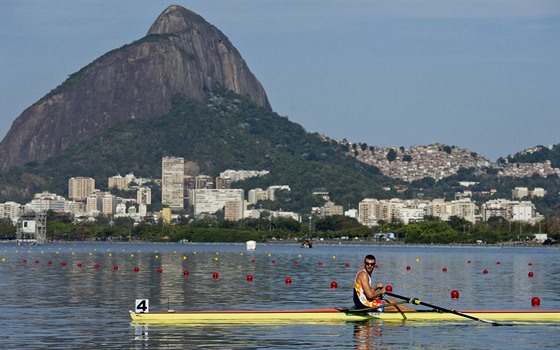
[375,266]
[454,294]
[485,272]
[24,260]
[530,274]
[288,280]
[536,301]
[530,264]
[136,269]
[444,269]
[468,261]
[498,263]
[408,268]
[96,266]
[347,265]
[334,284]
[295,263]
[249,278]
[320,263]
[79,264]
[36,261]
[64,263]
[185,273]
[115,267]
[215,275]
[159,270]
[253,260]
[388,288]
[273,261]
[50,262]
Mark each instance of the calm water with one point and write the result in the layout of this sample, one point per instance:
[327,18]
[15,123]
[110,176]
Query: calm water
[49,305]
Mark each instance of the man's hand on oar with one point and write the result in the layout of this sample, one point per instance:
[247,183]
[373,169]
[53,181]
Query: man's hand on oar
[415,301]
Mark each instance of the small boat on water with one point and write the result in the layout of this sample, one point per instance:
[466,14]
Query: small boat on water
[334,314]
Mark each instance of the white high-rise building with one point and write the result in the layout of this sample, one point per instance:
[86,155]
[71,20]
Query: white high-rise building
[172,182]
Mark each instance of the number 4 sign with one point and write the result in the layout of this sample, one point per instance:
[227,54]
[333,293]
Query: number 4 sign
[142,306]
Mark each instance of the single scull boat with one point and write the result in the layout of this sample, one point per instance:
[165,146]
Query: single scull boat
[332,314]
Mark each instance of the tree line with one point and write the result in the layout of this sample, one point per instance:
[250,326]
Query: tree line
[214,228]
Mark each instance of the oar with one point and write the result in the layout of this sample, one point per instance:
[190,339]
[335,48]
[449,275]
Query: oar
[418,302]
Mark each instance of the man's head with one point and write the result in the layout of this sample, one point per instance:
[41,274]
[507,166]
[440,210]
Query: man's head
[369,263]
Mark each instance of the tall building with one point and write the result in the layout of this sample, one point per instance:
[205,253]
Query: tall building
[109,203]
[233,210]
[144,195]
[172,182]
[367,211]
[79,188]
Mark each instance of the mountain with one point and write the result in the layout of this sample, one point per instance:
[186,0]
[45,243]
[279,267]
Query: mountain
[181,55]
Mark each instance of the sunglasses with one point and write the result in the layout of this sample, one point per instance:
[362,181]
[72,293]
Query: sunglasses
[369,264]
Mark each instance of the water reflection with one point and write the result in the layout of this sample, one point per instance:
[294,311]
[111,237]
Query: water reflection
[368,335]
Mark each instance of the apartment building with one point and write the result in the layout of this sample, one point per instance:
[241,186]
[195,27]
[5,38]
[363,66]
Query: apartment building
[44,201]
[10,210]
[519,193]
[209,201]
[223,183]
[255,195]
[367,212]
[118,182]
[144,195]
[79,188]
[172,182]
[233,210]
[463,208]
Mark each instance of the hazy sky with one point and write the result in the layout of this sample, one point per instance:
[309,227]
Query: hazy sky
[483,75]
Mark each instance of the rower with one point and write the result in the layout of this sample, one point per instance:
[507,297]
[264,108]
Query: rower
[365,296]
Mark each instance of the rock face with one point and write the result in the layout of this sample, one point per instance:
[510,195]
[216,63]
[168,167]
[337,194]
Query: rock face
[181,55]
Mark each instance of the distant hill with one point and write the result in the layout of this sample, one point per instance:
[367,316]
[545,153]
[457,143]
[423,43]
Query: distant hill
[537,154]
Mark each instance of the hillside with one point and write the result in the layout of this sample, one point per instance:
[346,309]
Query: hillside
[228,131]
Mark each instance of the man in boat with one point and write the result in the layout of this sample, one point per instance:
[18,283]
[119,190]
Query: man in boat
[366,296]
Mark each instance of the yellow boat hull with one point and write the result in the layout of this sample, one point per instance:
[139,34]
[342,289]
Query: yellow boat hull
[330,315]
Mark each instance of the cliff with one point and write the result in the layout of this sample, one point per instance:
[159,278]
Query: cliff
[181,54]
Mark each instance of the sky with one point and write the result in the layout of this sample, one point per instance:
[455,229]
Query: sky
[482,75]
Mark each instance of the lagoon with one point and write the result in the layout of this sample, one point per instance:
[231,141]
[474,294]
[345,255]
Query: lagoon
[70,295]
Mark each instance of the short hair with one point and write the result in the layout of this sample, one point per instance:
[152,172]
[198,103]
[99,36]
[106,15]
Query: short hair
[370,257]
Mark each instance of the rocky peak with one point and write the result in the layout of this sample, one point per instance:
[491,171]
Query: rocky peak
[176,19]
[181,55]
